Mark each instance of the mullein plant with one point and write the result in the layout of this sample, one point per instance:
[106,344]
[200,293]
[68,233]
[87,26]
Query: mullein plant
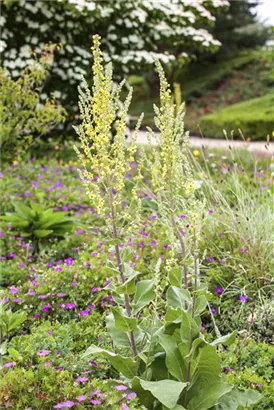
[161,354]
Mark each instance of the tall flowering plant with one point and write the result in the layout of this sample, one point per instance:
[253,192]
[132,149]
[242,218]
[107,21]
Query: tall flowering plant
[160,352]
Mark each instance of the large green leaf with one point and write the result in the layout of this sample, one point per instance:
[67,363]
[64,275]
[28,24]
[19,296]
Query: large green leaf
[177,297]
[129,286]
[124,365]
[16,319]
[236,398]
[42,233]
[23,211]
[121,338]
[174,361]
[123,322]
[16,221]
[173,315]
[208,396]
[200,304]
[226,340]
[145,397]
[189,328]
[144,295]
[205,366]
[175,277]
[166,391]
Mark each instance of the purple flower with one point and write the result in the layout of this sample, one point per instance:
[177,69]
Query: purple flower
[222,261]
[31,293]
[70,306]
[82,379]
[243,298]
[64,405]
[182,217]
[153,217]
[58,269]
[13,290]
[124,406]
[61,295]
[95,402]
[120,387]
[21,265]
[213,310]
[153,243]
[43,352]
[93,364]
[81,398]
[219,290]
[130,396]
[141,244]
[243,250]
[92,306]
[45,308]
[84,313]
[10,364]
[17,300]
[210,211]
[94,290]
[69,261]
[210,259]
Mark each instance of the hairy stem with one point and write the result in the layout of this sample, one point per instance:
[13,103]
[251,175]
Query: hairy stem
[120,267]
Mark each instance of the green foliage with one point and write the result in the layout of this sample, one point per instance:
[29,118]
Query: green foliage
[10,321]
[38,223]
[23,114]
[264,322]
[254,118]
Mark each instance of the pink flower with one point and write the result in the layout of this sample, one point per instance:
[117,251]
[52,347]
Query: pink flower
[82,379]
[120,387]
[10,364]
[130,396]
[70,306]
[95,402]
[43,352]
[64,405]
[84,313]
[81,398]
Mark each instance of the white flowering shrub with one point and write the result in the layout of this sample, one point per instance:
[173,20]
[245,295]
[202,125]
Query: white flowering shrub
[134,31]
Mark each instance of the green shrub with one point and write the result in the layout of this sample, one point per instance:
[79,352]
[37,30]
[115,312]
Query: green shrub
[23,114]
[255,118]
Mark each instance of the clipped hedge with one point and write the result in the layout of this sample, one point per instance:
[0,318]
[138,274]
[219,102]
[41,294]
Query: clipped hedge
[254,117]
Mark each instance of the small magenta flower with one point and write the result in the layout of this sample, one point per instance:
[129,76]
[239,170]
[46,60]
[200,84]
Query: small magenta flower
[130,396]
[69,261]
[222,261]
[94,290]
[141,244]
[213,310]
[95,402]
[93,364]
[45,308]
[13,290]
[210,259]
[120,387]
[58,269]
[61,295]
[153,243]
[21,265]
[17,300]
[182,217]
[153,217]
[9,364]
[124,406]
[43,352]
[92,306]
[82,379]
[210,211]
[243,298]
[70,306]
[84,313]
[65,405]
[219,290]
[81,398]
[243,250]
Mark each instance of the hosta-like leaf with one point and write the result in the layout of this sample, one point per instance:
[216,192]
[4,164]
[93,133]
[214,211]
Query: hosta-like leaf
[120,338]
[173,315]
[166,391]
[124,365]
[123,322]
[23,211]
[144,295]
[174,361]
[42,233]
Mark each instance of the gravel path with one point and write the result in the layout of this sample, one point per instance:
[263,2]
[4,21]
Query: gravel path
[197,142]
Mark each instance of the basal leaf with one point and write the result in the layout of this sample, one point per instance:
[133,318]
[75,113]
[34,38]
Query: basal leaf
[208,396]
[174,361]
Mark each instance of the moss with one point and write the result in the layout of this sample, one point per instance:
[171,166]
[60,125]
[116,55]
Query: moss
[255,118]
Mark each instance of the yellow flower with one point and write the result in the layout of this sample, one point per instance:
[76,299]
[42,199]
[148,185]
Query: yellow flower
[196,153]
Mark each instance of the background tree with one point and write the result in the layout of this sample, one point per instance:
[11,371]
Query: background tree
[132,31]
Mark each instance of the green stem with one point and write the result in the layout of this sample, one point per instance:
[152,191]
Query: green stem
[120,268]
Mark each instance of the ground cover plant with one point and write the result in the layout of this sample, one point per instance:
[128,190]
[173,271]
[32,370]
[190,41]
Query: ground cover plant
[171,252]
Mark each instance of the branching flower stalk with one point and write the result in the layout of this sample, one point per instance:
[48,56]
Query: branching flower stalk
[105,164]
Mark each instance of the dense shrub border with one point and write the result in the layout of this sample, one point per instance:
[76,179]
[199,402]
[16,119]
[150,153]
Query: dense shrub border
[255,124]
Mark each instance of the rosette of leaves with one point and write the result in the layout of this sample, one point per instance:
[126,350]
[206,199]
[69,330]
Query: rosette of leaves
[264,322]
[175,367]
[38,223]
